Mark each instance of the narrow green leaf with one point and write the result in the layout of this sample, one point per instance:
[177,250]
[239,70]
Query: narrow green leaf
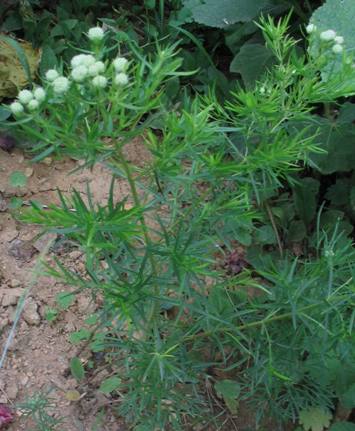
[77,369]
[109,385]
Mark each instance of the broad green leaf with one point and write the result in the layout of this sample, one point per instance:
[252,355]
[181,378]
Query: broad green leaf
[315,419]
[229,390]
[329,219]
[77,369]
[17,179]
[78,336]
[15,203]
[65,299]
[306,197]
[352,198]
[50,314]
[338,193]
[252,62]
[48,59]
[347,399]
[338,15]
[338,140]
[297,231]
[265,235]
[109,385]
[91,320]
[150,4]
[342,426]
[5,113]
[223,13]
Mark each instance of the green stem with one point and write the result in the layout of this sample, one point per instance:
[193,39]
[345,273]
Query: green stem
[254,324]
[127,170]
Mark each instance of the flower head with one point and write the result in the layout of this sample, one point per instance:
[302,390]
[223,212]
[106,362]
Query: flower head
[61,85]
[120,64]
[99,81]
[96,34]
[337,48]
[25,96]
[16,108]
[328,35]
[79,73]
[51,75]
[77,60]
[310,28]
[96,68]
[121,79]
[339,39]
[88,60]
[33,105]
[39,94]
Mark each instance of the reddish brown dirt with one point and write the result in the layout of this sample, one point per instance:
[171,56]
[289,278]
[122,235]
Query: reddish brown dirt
[39,356]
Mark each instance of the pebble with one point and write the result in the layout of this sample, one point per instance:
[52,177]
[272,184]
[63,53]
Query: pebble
[3,205]
[4,321]
[47,161]
[30,313]
[11,296]
[28,172]
[15,283]
[11,390]
[22,250]
[74,255]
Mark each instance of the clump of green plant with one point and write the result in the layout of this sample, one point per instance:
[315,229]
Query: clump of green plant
[38,407]
[274,334]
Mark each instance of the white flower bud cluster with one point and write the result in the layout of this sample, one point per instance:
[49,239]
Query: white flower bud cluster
[60,84]
[120,65]
[29,100]
[328,36]
[84,68]
[96,34]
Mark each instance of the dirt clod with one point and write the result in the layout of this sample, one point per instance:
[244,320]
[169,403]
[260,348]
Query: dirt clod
[22,250]
[30,313]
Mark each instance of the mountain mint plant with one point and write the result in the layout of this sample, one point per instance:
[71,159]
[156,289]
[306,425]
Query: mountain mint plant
[176,324]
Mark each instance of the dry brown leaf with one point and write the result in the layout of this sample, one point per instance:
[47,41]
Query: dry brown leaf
[12,75]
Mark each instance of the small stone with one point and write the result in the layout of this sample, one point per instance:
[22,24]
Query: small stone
[3,204]
[24,380]
[28,172]
[22,250]
[20,158]
[30,313]
[15,283]
[4,321]
[47,161]
[85,304]
[11,390]
[42,242]
[74,255]
[11,296]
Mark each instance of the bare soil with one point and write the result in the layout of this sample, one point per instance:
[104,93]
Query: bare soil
[38,358]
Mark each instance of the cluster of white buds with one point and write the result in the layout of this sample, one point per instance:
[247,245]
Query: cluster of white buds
[120,65]
[331,36]
[328,36]
[29,100]
[96,34]
[84,68]
[59,83]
